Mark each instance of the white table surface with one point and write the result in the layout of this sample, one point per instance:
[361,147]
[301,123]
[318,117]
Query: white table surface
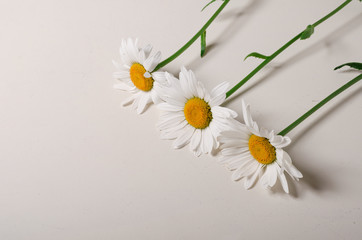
[74,164]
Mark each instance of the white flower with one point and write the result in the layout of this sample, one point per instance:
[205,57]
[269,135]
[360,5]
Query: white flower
[251,151]
[136,76]
[191,115]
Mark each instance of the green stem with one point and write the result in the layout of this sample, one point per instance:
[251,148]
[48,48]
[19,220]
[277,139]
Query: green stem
[331,13]
[193,39]
[319,105]
[258,68]
[280,50]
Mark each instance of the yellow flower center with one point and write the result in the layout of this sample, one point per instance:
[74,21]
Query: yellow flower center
[142,83]
[261,149]
[198,113]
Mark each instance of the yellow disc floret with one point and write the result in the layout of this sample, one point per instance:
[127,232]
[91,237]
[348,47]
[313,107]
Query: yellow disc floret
[261,149]
[198,113]
[137,72]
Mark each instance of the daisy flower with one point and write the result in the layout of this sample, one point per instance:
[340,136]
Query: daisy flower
[191,115]
[251,151]
[136,76]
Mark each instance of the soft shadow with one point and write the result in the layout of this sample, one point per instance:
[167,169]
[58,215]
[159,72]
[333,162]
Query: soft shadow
[327,41]
[350,70]
[311,180]
[209,48]
[239,17]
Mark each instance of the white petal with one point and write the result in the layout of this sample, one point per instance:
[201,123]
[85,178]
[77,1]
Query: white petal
[232,165]
[279,141]
[147,50]
[126,59]
[147,75]
[184,82]
[248,168]
[280,155]
[124,87]
[148,63]
[249,181]
[202,142]
[155,97]
[216,101]
[247,117]
[164,115]
[144,100]
[170,122]
[195,140]
[116,64]
[269,178]
[264,133]
[168,107]
[159,77]
[184,138]
[173,133]
[197,152]
[227,138]
[218,94]
[201,92]
[192,83]
[238,143]
[214,129]
[141,56]
[121,75]
[152,62]
[208,140]
[136,100]
[233,151]
[291,170]
[235,162]
[128,101]
[220,89]
[227,159]
[284,182]
[174,102]
[223,112]
[132,50]
[282,179]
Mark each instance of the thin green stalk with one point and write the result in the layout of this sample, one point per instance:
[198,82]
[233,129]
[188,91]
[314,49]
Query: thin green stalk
[319,105]
[258,68]
[193,39]
[280,50]
[331,13]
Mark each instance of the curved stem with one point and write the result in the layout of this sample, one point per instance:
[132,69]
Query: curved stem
[280,50]
[193,39]
[319,105]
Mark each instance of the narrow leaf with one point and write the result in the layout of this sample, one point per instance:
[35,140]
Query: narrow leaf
[256,55]
[307,32]
[354,65]
[208,5]
[203,44]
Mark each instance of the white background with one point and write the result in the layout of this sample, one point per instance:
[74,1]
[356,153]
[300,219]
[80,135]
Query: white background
[74,164]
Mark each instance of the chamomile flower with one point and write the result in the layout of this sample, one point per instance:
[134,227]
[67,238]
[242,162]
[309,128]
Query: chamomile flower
[191,115]
[253,152]
[136,76]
